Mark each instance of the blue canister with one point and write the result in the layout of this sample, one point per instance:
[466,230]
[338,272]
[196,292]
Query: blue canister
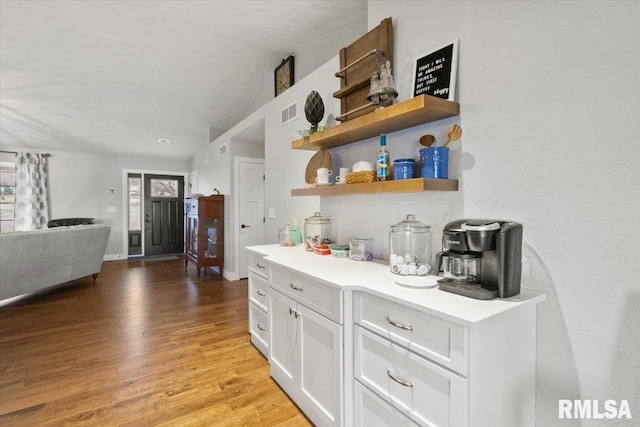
[434,162]
[403,168]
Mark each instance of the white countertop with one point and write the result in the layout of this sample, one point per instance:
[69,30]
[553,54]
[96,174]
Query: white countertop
[420,293]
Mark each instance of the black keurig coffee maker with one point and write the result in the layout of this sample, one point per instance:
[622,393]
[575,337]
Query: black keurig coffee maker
[481,259]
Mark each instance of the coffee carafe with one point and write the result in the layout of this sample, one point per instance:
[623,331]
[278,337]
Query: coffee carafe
[481,259]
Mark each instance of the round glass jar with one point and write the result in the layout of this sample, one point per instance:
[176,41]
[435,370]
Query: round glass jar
[360,249]
[317,231]
[410,247]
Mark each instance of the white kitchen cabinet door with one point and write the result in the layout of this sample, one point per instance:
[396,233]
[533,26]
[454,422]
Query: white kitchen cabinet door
[321,370]
[283,340]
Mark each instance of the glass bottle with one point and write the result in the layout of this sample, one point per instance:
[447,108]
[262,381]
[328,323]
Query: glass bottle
[382,161]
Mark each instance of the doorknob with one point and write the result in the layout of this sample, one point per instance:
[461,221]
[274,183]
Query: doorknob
[245,226]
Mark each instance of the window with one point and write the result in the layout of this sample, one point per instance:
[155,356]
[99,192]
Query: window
[7,195]
[135,208]
[164,188]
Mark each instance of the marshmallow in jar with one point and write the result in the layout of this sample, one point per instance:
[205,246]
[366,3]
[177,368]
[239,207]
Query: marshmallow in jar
[410,247]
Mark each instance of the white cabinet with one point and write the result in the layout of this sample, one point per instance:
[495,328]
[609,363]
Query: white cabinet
[370,410]
[430,394]
[258,303]
[438,373]
[352,348]
[306,351]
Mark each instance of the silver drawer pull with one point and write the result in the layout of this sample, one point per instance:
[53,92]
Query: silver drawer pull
[260,266]
[262,328]
[399,325]
[404,383]
[262,294]
[295,288]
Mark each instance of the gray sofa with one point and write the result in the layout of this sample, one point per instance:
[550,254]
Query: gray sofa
[34,260]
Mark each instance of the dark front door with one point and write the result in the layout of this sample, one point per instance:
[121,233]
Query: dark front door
[163,214]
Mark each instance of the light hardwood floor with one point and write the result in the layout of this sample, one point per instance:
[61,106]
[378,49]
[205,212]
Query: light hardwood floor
[147,344]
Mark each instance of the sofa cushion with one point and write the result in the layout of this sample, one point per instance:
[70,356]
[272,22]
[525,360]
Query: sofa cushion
[69,221]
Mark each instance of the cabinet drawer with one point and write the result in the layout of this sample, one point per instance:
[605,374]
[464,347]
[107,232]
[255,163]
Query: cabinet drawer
[316,295]
[441,341]
[428,393]
[257,264]
[259,329]
[259,291]
[370,410]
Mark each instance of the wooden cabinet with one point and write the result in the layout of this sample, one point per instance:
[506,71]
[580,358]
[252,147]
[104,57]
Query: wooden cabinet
[204,219]
[307,349]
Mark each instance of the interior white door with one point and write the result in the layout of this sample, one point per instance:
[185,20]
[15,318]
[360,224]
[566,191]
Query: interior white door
[251,209]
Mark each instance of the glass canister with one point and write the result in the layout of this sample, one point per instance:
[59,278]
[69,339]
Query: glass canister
[317,230]
[360,249]
[286,236]
[410,247]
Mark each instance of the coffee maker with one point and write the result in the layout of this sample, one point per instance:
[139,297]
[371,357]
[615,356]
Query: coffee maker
[481,259]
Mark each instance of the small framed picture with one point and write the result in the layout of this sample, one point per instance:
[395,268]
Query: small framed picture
[434,73]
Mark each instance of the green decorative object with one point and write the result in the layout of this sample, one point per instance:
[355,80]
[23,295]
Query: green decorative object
[314,110]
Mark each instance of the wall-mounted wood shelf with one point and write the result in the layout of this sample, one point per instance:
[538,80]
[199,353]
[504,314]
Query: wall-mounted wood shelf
[399,186]
[415,111]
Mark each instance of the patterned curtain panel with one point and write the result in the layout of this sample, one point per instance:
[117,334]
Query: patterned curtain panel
[32,192]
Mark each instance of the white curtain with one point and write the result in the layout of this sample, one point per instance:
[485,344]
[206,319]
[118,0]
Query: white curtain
[32,192]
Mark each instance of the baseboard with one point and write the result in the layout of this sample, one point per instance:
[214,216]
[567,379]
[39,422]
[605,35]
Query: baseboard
[230,276]
[113,257]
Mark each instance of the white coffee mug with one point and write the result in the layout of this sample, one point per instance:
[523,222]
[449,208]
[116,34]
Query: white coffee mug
[323,175]
[342,178]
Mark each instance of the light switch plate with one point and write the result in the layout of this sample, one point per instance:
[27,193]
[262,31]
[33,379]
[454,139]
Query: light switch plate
[272,213]
[112,209]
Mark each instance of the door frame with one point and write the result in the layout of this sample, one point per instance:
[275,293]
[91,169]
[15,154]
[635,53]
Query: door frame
[236,211]
[125,203]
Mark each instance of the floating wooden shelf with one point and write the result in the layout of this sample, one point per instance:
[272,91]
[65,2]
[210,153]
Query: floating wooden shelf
[399,186]
[415,111]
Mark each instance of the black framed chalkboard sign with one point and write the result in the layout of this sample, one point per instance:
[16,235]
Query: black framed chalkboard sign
[434,73]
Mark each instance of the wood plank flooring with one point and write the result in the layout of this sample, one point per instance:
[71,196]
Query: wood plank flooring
[147,344]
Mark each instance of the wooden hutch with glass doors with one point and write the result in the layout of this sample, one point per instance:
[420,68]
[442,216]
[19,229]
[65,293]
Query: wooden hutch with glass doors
[204,240]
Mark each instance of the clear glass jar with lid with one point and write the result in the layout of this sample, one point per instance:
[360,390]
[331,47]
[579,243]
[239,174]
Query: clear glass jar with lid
[317,230]
[410,247]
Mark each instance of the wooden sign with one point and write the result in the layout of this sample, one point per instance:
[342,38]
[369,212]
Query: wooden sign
[435,72]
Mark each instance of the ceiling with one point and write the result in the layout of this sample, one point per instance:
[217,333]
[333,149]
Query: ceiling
[115,77]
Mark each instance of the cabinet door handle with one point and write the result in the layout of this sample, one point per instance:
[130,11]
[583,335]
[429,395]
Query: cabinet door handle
[404,383]
[399,325]
[262,328]
[295,288]
[260,266]
[262,294]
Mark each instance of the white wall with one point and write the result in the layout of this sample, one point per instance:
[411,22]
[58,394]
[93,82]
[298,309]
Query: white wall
[549,96]
[80,186]
[548,93]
